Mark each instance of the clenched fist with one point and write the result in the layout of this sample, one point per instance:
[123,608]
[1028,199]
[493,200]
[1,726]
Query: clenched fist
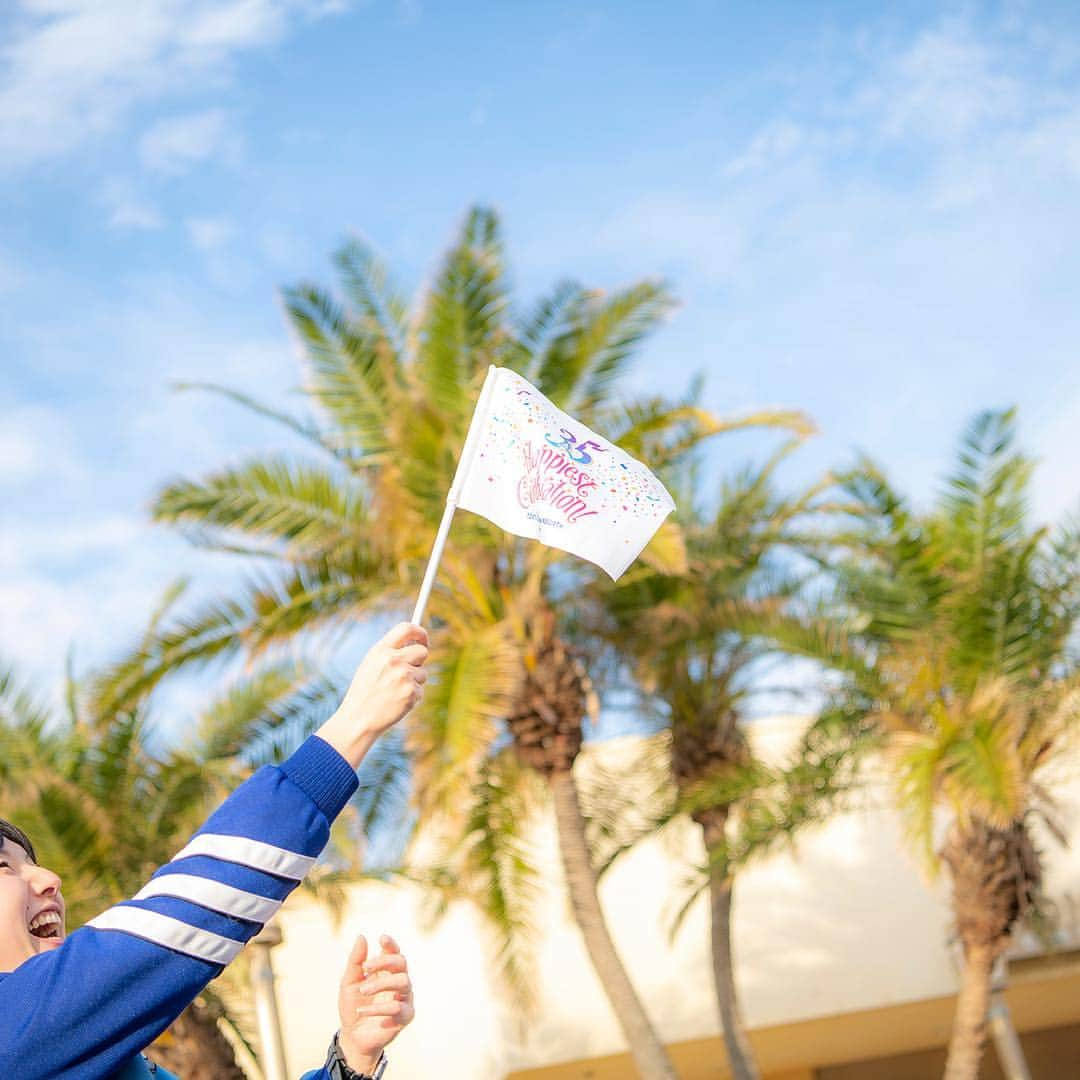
[387,684]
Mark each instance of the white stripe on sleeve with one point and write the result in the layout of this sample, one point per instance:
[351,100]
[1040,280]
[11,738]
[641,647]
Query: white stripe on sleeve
[253,853]
[213,895]
[172,933]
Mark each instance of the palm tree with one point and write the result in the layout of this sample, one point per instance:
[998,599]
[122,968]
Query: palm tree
[957,634]
[683,637]
[346,537]
[107,803]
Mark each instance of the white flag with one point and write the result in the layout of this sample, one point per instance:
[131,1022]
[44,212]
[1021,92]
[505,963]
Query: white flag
[536,472]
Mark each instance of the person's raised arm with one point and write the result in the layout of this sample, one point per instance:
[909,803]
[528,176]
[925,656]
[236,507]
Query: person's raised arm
[84,1009]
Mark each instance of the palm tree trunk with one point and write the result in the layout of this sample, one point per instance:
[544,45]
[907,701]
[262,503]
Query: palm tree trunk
[740,1053]
[969,1028]
[647,1050]
[194,1048]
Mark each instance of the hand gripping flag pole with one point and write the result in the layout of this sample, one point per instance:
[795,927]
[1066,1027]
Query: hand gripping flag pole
[468,452]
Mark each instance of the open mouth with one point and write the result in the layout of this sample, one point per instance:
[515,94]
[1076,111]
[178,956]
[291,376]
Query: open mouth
[47,925]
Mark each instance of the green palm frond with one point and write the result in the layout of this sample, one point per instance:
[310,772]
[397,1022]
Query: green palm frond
[462,327]
[243,718]
[375,303]
[984,777]
[474,679]
[306,429]
[581,366]
[494,866]
[967,612]
[352,376]
[918,762]
[625,802]
[303,507]
[211,633]
[967,763]
[19,707]
[271,611]
[697,639]
[815,635]
[551,320]
[666,553]
[381,801]
[985,498]
[1051,727]
[393,389]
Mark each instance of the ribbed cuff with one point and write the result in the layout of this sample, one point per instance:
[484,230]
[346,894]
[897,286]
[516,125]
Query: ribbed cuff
[320,771]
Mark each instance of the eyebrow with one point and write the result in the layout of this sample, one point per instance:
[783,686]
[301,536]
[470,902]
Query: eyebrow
[26,854]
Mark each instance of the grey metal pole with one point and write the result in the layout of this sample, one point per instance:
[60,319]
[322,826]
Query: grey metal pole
[272,1045]
[1007,1043]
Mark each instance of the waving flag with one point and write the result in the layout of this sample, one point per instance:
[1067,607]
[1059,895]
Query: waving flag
[536,472]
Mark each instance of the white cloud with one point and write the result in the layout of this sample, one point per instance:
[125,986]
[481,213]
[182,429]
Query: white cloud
[85,580]
[25,545]
[283,247]
[977,96]
[946,85]
[1053,143]
[228,269]
[19,454]
[36,441]
[135,215]
[80,562]
[73,70]
[895,250]
[176,144]
[96,602]
[210,234]
[778,140]
[126,209]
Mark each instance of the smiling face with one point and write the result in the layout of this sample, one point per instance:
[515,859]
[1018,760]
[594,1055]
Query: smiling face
[31,907]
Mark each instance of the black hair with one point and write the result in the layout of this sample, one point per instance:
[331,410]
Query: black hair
[13,832]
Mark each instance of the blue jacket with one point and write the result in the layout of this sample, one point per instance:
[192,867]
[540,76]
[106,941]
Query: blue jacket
[84,1011]
[138,1068]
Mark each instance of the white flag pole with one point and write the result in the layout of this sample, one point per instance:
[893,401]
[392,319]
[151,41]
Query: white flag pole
[468,452]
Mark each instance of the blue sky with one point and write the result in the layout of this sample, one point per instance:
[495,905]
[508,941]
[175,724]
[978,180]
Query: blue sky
[869,212]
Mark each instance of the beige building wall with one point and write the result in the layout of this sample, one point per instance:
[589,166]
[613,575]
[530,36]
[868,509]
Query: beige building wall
[832,939]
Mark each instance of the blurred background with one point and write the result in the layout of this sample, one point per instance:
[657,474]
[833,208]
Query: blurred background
[798,257]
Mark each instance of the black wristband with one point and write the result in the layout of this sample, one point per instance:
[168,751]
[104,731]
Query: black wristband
[339,1069]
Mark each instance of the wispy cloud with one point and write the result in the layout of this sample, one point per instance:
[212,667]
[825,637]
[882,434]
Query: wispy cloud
[902,237]
[954,89]
[79,561]
[776,141]
[36,443]
[173,145]
[210,234]
[947,84]
[74,70]
[126,209]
